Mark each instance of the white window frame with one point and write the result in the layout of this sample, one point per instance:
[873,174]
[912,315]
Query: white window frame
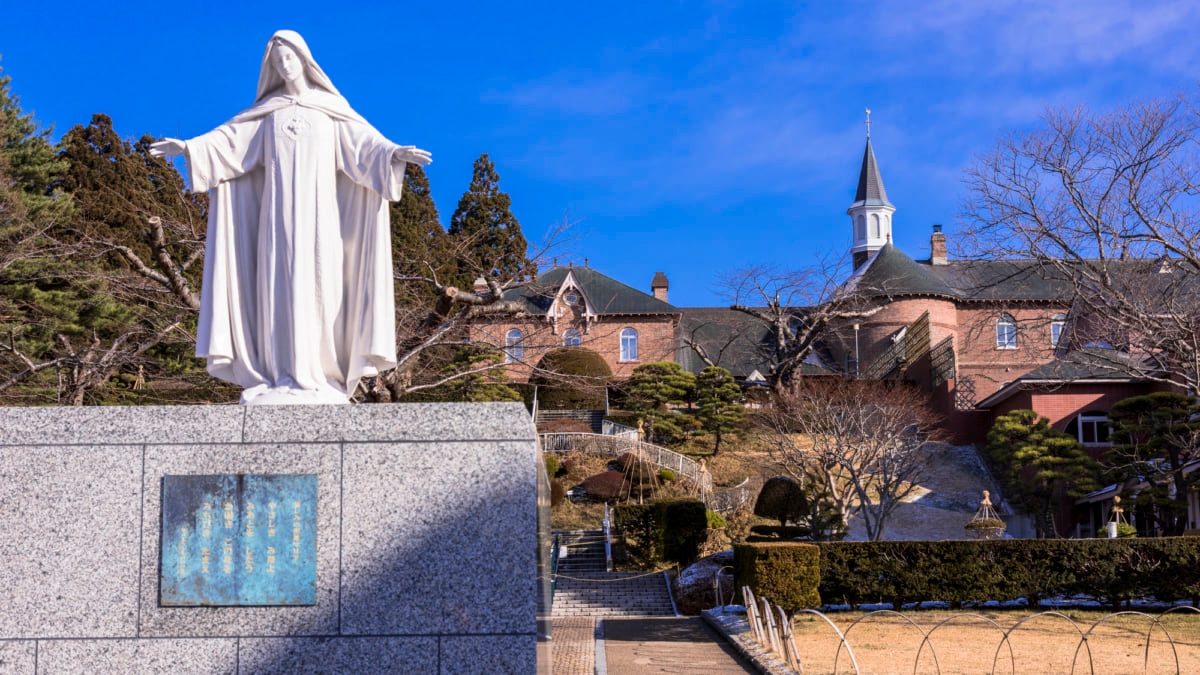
[1006,332]
[572,337]
[1058,324]
[629,345]
[1093,422]
[514,350]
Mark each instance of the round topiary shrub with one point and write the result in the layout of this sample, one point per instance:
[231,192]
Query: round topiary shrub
[571,378]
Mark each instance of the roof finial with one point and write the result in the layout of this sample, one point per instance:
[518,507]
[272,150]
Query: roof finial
[868,124]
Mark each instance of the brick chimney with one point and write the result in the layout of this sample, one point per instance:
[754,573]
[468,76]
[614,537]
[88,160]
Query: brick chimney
[937,246]
[659,286]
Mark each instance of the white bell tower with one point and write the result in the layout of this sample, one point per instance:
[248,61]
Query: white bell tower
[871,212]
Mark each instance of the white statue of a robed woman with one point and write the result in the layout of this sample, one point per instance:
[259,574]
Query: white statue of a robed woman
[296,302]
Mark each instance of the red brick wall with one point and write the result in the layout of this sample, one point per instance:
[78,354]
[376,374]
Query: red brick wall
[658,337]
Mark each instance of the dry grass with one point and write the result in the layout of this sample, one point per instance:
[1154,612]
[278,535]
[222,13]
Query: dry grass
[973,642]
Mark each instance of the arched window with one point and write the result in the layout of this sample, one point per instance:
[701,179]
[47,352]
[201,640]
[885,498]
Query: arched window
[629,346]
[513,349]
[1006,332]
[860,228]
[875,233]
[1057,324]
[571,338]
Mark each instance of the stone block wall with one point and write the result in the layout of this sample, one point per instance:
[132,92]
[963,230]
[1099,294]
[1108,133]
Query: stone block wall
[426,539]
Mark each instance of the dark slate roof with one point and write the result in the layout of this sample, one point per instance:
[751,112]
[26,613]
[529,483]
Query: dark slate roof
[870,184]
[733,340]
[1090,364]
[890,272]
[1002,280]
[607,295]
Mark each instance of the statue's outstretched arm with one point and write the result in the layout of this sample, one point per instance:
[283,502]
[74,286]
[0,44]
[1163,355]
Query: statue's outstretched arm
[168,147]
[406,153]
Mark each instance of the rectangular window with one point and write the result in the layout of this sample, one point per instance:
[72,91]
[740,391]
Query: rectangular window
[1093,430]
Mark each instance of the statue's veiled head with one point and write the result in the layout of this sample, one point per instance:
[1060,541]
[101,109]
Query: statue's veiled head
[287,56]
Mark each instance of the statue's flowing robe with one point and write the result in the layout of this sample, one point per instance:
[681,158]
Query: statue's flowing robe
[297,293]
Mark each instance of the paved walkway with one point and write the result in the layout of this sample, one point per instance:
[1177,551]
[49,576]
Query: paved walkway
[613,622]
[683,644]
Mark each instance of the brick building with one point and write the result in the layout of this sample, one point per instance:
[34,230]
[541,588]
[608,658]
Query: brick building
[579,306]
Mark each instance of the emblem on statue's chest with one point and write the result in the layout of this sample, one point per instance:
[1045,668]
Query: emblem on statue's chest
[296,126]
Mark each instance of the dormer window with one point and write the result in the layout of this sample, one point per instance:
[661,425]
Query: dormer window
[571,298]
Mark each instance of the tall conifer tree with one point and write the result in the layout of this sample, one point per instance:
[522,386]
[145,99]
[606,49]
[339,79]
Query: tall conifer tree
[487,237]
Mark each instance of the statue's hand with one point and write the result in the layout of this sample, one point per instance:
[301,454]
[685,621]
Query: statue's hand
[411,153]
[168,147]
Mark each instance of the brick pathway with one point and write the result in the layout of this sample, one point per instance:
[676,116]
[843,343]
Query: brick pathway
[573,646]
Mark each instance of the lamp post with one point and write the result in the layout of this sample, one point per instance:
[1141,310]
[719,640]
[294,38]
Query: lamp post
[856,326]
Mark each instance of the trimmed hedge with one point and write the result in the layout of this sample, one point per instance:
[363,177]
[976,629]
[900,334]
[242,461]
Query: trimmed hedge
[1111,571]
[669,530]
[787,574]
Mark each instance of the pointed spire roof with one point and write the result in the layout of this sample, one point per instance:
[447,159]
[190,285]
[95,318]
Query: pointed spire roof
[870,184]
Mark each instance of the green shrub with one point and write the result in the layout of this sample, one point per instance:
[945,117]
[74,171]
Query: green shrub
[716,521]
[1112,571]
[664,531]
[786,574]
[666,475]
[782,499]
[571,378]
[685,527]
[552,465]
[760,533]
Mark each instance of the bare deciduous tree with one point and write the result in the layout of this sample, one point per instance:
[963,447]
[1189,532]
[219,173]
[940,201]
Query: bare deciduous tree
[1106,206]
[864,442]
[797,308]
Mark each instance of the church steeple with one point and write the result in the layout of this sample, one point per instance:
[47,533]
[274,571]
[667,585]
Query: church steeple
[871,212]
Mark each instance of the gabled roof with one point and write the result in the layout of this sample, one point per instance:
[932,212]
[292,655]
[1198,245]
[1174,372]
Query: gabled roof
[1090,365]
[870,190]
[605,294]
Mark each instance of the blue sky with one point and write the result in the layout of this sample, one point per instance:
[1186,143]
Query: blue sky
[695,138]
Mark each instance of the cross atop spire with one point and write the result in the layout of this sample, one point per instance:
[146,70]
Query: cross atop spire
[868,124]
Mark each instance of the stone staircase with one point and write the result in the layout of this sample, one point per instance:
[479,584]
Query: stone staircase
[593,418]
[584,588]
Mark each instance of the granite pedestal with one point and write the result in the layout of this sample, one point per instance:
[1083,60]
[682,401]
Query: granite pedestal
[427,540]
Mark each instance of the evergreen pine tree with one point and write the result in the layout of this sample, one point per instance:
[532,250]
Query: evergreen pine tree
[717,400]
[652,387]
[32,165]
[1039,465]
[418,240]
[487,237]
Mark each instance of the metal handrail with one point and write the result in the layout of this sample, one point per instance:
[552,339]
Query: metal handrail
[722,500]
[608,561]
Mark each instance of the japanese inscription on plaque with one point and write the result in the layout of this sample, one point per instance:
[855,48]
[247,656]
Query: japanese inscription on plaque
[239,539]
